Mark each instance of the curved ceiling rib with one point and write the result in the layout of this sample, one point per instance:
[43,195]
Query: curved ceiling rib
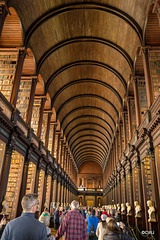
[84,96]
[80,63]
[81,6]
[87,107]
[91,149]
[90,116]
[90,140]
[89,155]
[85,146]
[86,81]
[84,39]
[88,135]
[88,159]
[88,123]
[87,129]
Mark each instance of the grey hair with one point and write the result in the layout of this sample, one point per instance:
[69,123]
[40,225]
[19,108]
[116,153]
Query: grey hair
[74,204]
[28,201]
[45,218]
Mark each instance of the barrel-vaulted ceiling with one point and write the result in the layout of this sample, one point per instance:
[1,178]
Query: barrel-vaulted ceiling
[84,51]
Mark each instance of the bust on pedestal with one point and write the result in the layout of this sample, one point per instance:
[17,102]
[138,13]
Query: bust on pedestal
[123,209]
[118,208]
[138,210]
[5,206]
[129,209]
[151,212]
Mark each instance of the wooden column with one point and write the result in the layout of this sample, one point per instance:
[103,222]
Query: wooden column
[41,117]
[17,76]
[55,189]
[5,171]
[124,130]
[3,14]
[44,190]
[148,78]
[137,103]
[31,101]
[48,129]
[129,118]
[117,149]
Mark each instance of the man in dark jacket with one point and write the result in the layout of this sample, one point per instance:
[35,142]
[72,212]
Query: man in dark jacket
[26,227]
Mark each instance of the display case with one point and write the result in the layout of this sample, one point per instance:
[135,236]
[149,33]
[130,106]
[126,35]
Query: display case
[35,114]
[40,189]
[44,127]
[2,153]
[23,97]
[14,183]
[8,61]
[31,178]
[48,191]
[154,58]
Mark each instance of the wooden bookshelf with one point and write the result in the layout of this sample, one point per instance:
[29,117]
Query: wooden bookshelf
[23,97]
[142,96]
[50,142]
[48,191]
[154,58]
[8,61]
[14,183]
[35,114]
[40,188]
[31,178]
[44,127]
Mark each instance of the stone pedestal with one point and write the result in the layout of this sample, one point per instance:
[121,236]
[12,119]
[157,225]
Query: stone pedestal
[139,224]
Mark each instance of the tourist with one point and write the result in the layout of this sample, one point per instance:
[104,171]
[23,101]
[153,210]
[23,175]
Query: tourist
[92,220]
[45,219]
[26,227]
[73,225]
[102,228]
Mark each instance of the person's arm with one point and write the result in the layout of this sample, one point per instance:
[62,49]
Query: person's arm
[5,235]
[85,235]
[97,231]
[44,234]
[61,229]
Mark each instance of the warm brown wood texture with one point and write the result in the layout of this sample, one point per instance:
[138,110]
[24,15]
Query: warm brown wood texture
[85,53]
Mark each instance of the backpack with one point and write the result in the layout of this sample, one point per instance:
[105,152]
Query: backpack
[48,236]
[92,232]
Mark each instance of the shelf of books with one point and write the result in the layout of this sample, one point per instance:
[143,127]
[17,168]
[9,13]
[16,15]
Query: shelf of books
[135,184]
[24,96]
[142,96]
[31,178]
[154,58]
[147,184]
[8,61]
[133,115]
[40,189]
[35,114]
[48,191]
[2,152]
[56,145]
[44,127]
[50,142]
[14,183]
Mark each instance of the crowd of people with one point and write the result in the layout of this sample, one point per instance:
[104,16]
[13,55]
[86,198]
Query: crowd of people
[71,223]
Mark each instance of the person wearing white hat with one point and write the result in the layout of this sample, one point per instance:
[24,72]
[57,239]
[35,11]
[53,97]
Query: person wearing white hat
[102,227]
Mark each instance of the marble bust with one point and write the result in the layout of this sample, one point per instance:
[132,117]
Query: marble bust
[151,212]
[138,210]
[129,209]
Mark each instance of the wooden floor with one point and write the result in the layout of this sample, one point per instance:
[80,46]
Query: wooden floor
[53,232]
